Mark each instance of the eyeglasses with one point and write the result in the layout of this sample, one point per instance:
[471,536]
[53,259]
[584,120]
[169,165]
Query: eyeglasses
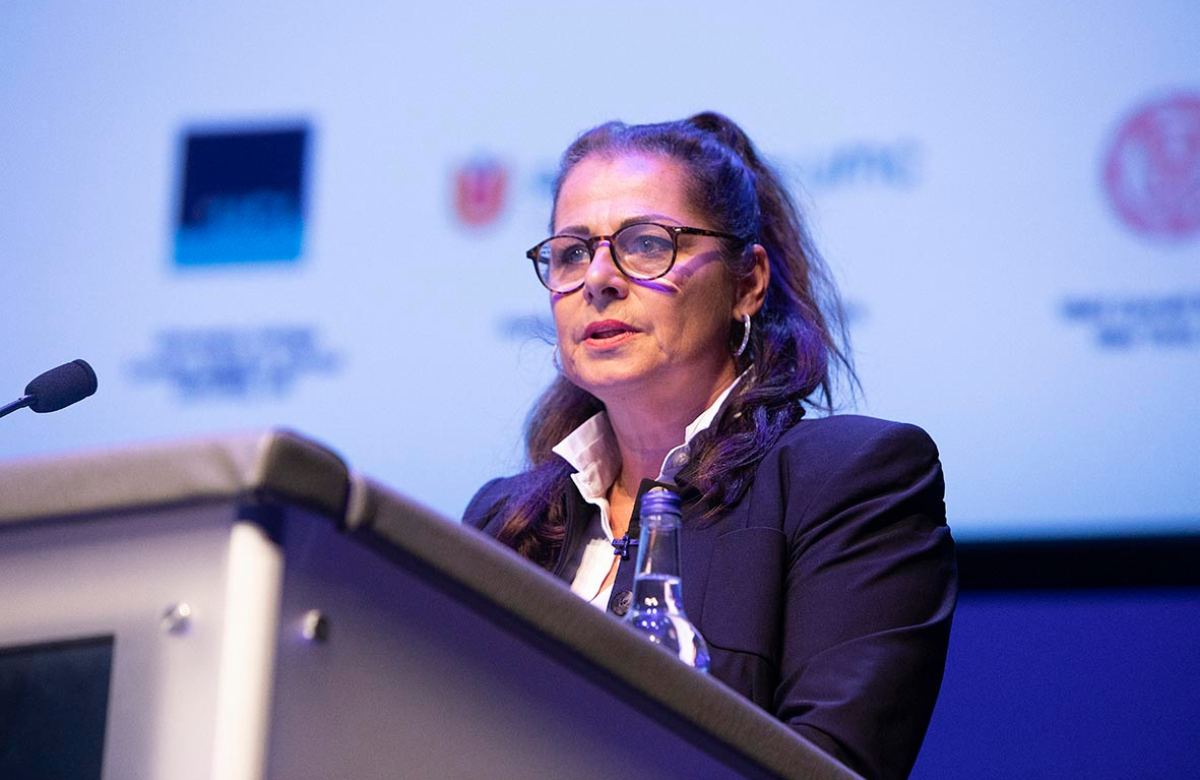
[642,250]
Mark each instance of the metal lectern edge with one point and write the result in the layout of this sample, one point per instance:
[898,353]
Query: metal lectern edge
[255,467]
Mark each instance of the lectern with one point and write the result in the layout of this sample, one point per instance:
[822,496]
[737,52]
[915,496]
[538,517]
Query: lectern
[245,607]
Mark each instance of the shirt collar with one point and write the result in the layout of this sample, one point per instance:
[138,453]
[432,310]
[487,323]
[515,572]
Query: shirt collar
[592,450]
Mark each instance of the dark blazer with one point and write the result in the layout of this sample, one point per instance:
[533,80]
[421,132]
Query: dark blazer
[825,593]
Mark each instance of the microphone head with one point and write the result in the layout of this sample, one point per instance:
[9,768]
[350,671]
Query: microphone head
[62,386]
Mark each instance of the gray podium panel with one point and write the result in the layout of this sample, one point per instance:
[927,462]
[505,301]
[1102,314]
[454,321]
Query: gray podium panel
[335,629]
[116,577]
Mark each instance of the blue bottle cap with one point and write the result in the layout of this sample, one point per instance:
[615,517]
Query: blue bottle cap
[660,501]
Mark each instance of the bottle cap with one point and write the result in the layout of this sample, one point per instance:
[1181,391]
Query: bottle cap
[660,501]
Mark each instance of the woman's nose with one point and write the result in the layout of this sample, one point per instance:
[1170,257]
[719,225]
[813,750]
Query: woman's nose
[603,277]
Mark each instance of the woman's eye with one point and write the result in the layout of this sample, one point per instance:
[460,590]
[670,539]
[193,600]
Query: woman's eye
[651,245]
[574,254]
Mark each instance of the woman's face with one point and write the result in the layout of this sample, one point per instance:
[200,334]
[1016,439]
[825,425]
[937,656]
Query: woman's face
[664,341]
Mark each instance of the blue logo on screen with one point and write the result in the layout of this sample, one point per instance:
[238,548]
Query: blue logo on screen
[242,198]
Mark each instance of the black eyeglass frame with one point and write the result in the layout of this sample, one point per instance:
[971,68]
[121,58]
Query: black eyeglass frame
[591,243]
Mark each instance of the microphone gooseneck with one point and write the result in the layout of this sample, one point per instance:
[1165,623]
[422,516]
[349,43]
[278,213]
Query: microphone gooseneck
[57,388]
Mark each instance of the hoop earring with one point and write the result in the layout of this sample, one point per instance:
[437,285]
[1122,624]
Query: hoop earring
[745,336]
[554,357]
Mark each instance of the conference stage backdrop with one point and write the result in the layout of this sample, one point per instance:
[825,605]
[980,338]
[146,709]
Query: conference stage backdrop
[252,214]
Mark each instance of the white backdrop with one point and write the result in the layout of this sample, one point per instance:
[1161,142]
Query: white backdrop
[952,160]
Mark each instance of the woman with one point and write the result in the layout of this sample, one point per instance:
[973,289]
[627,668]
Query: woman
[691,334]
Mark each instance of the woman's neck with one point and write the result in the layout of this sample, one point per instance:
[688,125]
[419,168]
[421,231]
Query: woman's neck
[644,441]
[645,434]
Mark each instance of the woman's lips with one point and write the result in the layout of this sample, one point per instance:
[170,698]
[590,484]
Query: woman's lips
[606,329]
[606,333]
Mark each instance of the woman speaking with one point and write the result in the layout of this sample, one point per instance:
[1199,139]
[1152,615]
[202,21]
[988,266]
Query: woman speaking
[695,325]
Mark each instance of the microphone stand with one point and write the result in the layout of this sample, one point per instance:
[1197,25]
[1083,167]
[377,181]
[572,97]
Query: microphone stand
[20,403]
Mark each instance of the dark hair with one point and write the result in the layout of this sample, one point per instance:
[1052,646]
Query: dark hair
[797,342]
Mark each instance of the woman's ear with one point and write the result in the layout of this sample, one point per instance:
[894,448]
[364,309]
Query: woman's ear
[751,290]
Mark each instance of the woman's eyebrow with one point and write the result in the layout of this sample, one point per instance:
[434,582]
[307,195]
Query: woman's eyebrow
[584,230]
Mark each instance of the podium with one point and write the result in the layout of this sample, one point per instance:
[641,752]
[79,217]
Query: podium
[245,607]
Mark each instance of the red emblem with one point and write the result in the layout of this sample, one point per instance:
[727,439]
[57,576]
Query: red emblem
[1153,169]
[480,187]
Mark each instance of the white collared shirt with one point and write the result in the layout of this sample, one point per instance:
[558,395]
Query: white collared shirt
[592,451]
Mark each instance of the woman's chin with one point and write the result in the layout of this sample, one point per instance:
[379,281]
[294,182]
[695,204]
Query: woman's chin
[610,380]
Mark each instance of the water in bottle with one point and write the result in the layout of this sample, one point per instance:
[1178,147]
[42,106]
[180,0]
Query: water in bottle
[657,609]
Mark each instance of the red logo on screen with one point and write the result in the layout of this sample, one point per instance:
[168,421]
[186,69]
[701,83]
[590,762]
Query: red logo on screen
[480,188]
[1153,169]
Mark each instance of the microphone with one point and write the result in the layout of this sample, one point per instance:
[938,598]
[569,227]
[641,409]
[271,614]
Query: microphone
[57,388]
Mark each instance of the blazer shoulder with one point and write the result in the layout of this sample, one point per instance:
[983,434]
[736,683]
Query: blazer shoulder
[485,505]
[848,453]
[845,434]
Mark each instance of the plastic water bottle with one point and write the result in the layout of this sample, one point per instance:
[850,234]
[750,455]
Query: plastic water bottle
[657,609]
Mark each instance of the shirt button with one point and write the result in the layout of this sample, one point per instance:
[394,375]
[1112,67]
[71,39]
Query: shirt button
[680,459]
[621,602]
